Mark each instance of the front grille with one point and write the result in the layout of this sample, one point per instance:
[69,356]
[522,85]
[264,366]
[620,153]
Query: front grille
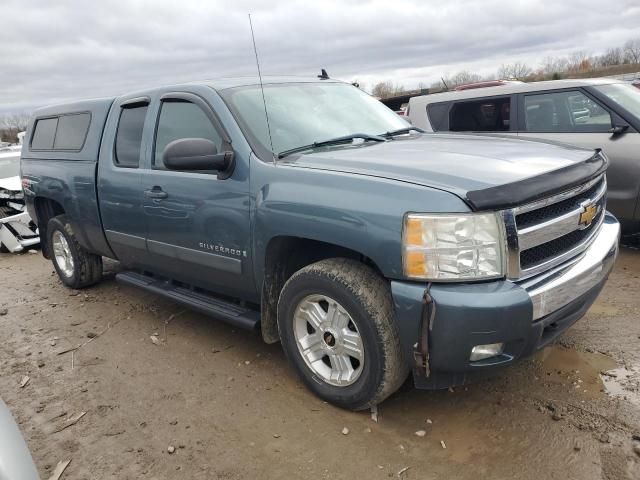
[550,232]
[540,254]
[540,215]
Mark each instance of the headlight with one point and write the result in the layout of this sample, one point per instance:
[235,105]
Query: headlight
[453,246]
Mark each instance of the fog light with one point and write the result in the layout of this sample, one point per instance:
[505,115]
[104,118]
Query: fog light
[482,352]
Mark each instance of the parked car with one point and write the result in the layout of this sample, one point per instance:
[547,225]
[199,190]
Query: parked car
[368,249]
[15,459]
[592,113]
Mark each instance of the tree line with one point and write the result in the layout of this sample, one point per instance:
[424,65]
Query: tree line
[11,124]
[550,68]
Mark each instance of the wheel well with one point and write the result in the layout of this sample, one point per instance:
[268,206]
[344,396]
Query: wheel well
[46,209]
[284,257]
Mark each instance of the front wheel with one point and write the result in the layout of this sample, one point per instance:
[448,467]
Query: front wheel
[337,328]
[76,267]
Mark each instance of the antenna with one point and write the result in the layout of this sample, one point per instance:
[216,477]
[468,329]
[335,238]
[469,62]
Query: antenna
[264,101]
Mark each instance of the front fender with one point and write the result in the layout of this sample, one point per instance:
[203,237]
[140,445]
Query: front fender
[359,212]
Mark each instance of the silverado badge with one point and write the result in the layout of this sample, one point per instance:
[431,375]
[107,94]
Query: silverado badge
[589,213]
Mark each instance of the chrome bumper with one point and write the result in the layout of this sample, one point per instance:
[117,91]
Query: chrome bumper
[556,288]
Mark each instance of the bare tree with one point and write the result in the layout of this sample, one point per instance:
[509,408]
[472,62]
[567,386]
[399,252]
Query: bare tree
[632,51]
[579,62]
[462,78]
[386,89]
[12,124]
[517,70]
[551,65]
[613,56]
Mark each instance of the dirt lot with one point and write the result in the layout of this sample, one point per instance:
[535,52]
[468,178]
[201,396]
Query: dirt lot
[231,407]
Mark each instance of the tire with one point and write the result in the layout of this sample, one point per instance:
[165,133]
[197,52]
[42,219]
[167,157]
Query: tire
[347,287]
[85,268]
[3,249]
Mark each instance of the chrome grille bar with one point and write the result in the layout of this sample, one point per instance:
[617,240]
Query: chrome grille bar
[547,226]
[559,226]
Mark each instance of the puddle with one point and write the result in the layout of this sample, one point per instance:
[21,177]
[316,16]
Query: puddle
[591,373]
[623,383]
[578,370]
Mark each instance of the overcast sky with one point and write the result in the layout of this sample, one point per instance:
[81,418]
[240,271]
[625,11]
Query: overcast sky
[56,50]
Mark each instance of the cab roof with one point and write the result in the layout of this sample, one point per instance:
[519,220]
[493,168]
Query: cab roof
[216,84]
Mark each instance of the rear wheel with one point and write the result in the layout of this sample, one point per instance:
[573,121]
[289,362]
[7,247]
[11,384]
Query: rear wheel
[337,328]
[76,267]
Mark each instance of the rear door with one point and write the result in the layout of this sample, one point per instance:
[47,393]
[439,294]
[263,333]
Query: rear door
[575,117]
[119,187]
[198,226]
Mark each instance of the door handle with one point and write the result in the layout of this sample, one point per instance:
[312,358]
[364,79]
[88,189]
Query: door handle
[156,192]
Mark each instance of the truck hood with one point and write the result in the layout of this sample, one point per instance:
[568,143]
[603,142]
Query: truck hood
[463,164]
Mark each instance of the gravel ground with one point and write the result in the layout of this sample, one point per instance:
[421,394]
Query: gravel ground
[228,406]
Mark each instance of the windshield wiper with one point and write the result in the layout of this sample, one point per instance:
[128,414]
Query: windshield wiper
[401,131]
[333,141]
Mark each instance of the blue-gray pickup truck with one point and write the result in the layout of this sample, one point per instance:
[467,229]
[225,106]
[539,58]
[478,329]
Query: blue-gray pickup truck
[310,212]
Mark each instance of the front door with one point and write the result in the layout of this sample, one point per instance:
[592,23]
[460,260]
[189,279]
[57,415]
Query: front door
[573,117]
[198,226]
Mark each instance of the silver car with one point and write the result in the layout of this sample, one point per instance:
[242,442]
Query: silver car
[592,113]
[15,459]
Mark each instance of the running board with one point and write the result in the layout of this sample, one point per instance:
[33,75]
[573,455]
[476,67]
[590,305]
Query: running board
[229,312]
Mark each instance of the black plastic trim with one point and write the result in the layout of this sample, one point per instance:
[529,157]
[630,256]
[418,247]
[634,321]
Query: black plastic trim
[535,188]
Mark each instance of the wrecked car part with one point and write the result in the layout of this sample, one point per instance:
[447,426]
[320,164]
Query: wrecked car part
[17,230]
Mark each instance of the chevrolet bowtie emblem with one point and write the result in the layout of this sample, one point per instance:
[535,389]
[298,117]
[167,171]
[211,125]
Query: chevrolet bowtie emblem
[590,212]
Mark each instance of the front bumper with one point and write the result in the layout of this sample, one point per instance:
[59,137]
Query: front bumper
[440,325]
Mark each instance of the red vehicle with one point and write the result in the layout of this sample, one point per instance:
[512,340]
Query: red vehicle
[488,83]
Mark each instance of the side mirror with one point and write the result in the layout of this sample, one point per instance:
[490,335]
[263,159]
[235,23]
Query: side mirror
[619,129]
[618,125]
[195,154]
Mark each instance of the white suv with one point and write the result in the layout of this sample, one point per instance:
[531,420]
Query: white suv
[591,113]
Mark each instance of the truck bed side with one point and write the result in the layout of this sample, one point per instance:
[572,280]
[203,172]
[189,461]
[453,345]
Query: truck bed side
[59,171]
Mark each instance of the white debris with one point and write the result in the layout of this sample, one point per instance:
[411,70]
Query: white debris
[374,413]
[345,431]
[421,433]
[403,470]
[59,470]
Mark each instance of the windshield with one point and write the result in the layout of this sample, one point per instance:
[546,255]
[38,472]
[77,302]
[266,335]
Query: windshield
[304,113]
[625,95]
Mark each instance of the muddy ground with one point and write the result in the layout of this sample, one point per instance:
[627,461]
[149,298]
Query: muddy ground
[232,409]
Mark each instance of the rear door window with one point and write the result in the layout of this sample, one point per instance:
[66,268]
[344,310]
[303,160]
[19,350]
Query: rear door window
[486,115]
[129,136]
[44,134]
[72,131]
[564,112]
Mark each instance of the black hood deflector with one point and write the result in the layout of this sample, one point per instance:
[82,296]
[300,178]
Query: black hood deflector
[538,187]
